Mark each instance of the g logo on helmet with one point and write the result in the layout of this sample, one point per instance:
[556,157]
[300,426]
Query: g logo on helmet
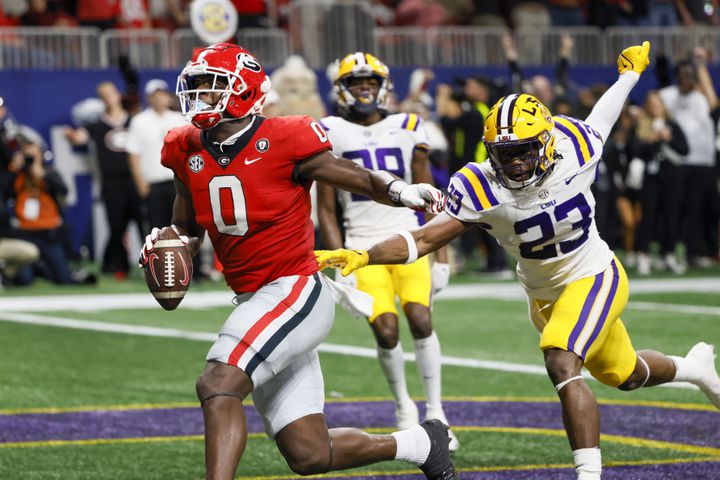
[213,20]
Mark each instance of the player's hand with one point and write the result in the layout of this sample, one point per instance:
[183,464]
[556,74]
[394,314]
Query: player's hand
[149,244]
[635,58]
[424,197]
[346,260]
[440,274]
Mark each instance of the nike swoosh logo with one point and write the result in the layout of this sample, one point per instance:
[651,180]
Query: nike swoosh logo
[568,180]
[248,162]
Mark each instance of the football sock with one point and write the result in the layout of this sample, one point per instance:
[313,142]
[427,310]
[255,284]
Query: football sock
[427,357]
[588,463]
[413,445]
[685,371]
[393,365]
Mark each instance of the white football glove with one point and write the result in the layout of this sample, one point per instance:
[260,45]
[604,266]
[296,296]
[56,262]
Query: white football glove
[440,274]
[424,197]
[149,244]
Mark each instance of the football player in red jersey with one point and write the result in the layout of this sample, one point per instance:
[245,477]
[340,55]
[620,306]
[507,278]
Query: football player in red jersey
[245,179]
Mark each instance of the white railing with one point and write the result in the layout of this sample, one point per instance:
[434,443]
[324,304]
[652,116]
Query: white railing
[542,47]
[323,31]
[144,48]
[320,34]
[441,46]
[49,48]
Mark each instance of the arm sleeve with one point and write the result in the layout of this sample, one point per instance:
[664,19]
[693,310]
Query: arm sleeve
[608,107]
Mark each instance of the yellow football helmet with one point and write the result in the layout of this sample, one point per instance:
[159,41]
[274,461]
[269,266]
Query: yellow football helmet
[361,65]
[520,141]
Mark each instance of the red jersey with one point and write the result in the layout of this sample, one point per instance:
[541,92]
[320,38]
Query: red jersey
[245,196]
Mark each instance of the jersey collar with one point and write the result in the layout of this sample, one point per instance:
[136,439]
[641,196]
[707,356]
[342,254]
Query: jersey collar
[225,156]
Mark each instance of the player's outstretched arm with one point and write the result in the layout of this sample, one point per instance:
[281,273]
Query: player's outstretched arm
[631,64]
[327,216]
[405,247]
[381,186]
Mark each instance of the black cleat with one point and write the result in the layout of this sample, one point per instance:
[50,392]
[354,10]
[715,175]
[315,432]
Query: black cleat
[438,465]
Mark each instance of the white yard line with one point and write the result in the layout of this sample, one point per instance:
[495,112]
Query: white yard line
[33,319]
[498,291]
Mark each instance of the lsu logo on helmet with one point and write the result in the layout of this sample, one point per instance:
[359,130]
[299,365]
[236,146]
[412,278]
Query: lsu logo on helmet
[361,65]
[519,139]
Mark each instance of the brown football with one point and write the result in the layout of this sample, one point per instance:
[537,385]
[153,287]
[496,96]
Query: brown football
[169,269]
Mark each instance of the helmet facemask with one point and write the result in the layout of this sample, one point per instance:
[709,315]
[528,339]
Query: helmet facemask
[521,163]
[361,66]
[217,81]
[362,107]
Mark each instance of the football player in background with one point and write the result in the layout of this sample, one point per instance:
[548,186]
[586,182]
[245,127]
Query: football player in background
[534,197]
[245,180]
[365,133]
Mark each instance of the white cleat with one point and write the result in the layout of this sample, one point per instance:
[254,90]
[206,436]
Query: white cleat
[407,414]
[438,414]
[703,356]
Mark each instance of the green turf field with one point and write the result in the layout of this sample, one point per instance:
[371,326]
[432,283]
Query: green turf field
[46,367]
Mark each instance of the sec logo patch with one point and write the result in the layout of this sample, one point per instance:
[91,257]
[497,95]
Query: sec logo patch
[196,163]
[262,145]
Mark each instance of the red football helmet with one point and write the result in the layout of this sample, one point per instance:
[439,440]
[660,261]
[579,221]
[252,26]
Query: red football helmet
[223,68]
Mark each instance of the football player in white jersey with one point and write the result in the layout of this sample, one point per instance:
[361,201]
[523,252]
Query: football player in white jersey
[398,144]
[534,197]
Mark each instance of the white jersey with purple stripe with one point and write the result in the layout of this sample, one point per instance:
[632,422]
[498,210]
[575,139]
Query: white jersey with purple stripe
[549,227]
[386,145]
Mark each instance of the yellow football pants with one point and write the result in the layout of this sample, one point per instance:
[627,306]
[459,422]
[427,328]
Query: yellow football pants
[585,319]
[410,283]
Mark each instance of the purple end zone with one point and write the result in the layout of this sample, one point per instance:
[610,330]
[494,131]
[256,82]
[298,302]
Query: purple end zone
[672,425]
[682,426]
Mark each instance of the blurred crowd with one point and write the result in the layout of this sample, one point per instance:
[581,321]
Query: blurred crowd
[171,14]
[657,198]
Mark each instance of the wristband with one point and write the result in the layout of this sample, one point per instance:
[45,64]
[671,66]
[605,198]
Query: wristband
[393,190]
[411,246]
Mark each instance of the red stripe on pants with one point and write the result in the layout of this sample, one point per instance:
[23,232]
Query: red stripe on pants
[265,320]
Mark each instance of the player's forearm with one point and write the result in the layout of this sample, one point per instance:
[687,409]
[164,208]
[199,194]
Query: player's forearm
[383,186]
[608,107]
[394,250]
[329,230]
[441,255]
